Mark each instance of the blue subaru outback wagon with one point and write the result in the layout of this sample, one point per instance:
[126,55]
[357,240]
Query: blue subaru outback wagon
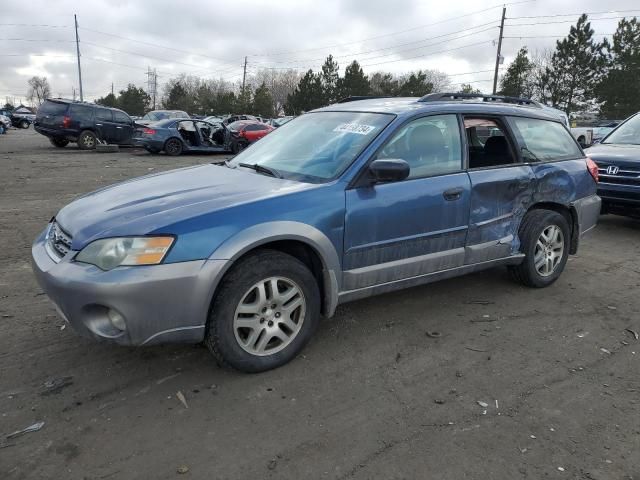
[352,200]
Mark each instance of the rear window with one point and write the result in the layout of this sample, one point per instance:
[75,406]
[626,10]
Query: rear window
[52,108]
[80,112]
[543,140]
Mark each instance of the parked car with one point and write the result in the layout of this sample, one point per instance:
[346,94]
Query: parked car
[5,124]
[177,136]
[64,121]
[618,159]
[213,119]
[584,135]
[239,135]
[278,122]
[157,115]
[603,129]
[19,120]
[347,201]
[235,118]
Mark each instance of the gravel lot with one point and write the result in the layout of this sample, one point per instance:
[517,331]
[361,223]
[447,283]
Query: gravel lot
[373,396]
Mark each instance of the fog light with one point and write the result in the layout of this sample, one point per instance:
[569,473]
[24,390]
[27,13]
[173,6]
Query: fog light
[116,320]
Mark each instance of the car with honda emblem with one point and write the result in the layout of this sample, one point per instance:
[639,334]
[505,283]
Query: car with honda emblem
[618,159]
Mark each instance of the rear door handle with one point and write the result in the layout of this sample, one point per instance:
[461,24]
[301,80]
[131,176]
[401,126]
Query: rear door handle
[453,194]
[118,127]
[98,124]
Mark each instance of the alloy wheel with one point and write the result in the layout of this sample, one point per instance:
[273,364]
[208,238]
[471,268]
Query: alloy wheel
[269,316]
[549,250]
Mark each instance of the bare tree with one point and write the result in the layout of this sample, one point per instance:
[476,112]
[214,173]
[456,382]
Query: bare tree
[280,83]
[39,90]
[541,60]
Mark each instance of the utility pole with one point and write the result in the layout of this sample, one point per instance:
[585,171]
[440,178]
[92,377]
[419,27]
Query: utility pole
[499,54]
[111,88]
[75,19]
[155,87]
[244,75]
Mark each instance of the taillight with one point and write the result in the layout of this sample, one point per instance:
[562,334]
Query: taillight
[593,169]
[148,131]
[241,133]
[66,121]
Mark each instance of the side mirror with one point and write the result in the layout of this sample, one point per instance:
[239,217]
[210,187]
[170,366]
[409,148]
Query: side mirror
[389,170]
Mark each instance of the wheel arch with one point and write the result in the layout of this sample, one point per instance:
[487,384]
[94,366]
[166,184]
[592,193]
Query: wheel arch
[302,241]
[570,215]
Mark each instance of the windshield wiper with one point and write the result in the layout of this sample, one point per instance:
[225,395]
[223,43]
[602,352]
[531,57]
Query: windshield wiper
[261,169]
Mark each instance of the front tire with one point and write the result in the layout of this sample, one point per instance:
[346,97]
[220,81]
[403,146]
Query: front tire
[173,147]
[544,238]
[265,312]
[24,124]
[59,142]
[87,140]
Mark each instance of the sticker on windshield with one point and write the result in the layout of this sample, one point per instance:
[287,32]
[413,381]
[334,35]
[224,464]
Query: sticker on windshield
[355,128]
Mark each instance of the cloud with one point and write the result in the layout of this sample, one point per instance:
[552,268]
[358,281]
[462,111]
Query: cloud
[211,39]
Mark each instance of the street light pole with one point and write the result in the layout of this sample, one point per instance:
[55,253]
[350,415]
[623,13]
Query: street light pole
[75,19]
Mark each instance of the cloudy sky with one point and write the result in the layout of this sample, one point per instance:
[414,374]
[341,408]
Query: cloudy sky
[121,39]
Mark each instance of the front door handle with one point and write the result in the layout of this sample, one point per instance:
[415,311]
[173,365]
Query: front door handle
[453,194]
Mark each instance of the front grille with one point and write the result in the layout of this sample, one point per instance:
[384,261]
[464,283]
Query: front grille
[621,177]
[58,240]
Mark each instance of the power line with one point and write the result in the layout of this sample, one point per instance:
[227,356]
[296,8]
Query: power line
[556,36]
[32,25]
[351,55]
[574,14]
[326,47]
[559,21]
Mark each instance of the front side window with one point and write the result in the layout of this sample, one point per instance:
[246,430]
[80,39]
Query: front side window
[628,133]
[315,147]
[543,140]
[121,117]
[430,145]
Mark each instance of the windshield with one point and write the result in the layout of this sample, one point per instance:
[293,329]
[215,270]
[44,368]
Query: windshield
[315,147]
[627,134]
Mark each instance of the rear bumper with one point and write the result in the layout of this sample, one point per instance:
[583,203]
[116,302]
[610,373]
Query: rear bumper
[166,303]
[588,211]
[56,133]
[148,143]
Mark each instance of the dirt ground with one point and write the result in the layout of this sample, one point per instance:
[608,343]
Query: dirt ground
[515,383]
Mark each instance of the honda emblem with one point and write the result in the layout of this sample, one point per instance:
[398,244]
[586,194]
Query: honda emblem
[612,170]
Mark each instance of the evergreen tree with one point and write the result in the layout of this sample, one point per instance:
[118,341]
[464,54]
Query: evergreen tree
[309,94]
[415,85]
[263,101]
[329,78]
[576,66]
[354,82]
[109,100]
[177,98]
[516,82]
[619,90]
[133,100]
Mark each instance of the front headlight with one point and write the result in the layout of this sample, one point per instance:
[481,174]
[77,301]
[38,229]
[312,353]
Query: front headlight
[110,253]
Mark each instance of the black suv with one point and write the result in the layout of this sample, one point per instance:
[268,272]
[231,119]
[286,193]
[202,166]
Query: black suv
[65,121]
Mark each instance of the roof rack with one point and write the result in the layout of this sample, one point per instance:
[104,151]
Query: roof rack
[355,98]
[445,97]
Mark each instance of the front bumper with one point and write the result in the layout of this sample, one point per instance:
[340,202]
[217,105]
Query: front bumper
[167,303]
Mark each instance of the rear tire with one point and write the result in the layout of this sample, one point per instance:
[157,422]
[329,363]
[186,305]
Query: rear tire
[87,140]
[24,124]
[254,326]
[173,147]
[545,240]
[59,142]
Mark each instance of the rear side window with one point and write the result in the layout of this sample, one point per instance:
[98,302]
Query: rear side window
[103,115]
[81,112]
[53,108]
[121,117]
[544,140]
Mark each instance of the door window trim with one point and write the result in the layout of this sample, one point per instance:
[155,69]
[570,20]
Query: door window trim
[360,180]
[501,120]
[521,144]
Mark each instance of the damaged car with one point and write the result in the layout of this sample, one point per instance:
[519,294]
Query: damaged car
[344,202]
[178,136]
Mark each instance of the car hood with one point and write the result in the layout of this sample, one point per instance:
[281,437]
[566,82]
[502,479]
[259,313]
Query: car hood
[151,204]
[618,154]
